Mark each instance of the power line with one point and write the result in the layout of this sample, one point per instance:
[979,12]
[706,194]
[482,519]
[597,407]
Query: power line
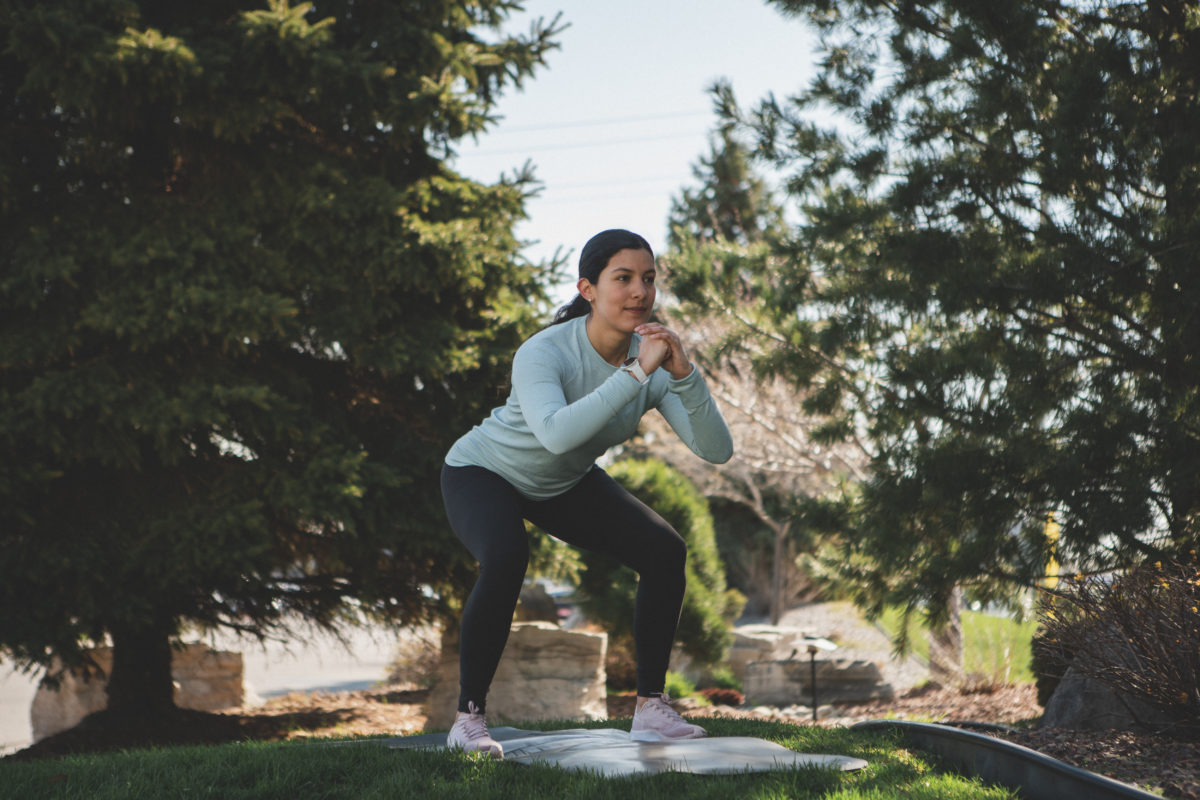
[592,123]
[554,198]
[612,182]
[576,145]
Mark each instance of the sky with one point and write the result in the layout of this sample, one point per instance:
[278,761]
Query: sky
[616,120]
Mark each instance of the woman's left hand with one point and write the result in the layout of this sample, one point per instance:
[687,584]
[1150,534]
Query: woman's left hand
[676,361]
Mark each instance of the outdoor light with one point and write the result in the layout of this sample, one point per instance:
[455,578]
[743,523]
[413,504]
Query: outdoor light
[815,643]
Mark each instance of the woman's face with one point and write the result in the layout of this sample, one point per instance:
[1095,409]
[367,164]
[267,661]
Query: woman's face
[623,295]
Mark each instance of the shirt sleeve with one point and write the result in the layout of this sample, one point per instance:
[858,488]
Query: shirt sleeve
[693,414]
[557,425]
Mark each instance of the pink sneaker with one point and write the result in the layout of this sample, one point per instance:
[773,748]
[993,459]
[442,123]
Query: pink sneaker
[470,733]
[656,721]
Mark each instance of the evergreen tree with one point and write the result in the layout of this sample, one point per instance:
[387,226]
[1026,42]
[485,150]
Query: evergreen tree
[730,202]
[245,307]
[721,229]
[995,284]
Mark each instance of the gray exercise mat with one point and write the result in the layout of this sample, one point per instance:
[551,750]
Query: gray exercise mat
[606,751]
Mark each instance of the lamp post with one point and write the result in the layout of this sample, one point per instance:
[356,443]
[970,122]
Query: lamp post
[815,643]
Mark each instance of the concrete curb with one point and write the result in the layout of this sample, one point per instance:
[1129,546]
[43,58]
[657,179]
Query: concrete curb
[1030,773]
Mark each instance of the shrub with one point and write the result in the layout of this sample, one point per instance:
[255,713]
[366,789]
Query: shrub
[722,677]
[723,697]
[678,686]
[1138,633]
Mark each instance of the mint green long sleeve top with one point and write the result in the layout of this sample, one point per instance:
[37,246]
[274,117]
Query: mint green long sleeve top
[568,406]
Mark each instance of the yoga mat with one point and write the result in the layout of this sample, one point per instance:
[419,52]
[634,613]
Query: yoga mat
[607,751]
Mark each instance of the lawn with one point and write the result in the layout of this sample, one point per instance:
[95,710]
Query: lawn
[995,649]
[363,769]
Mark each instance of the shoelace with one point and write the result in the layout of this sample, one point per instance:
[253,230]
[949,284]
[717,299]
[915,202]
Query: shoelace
[474,723]
[662,708]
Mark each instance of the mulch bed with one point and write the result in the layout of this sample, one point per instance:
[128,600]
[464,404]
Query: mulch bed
[292,716]
[1148,761]
[1151,762]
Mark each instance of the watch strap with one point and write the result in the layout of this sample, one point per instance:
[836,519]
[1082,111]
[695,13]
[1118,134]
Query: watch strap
[634,368]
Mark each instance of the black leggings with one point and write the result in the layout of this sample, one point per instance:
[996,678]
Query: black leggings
[486,513]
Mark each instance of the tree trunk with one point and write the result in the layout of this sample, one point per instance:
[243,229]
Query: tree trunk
[779,573]
[140,684]
[946,645]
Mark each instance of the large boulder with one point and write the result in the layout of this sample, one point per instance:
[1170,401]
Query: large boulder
[762,643]
[1085,704]
[205,680]
[785,682]
[750,643]
[545,673]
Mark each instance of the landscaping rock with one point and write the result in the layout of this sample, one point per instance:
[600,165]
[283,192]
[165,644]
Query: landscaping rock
[545,673]
[205,680]
[1085,704]
[786,682]
[760,643]
[857,639]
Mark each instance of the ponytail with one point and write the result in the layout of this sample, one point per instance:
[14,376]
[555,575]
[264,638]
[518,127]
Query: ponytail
[578,307]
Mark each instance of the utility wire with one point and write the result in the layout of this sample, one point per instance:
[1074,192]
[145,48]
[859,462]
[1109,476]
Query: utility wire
[592,123]
[577,145]
[591,197]
[611,182]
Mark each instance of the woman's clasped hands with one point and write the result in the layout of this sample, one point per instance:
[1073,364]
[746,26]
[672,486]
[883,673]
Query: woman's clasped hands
[661,347]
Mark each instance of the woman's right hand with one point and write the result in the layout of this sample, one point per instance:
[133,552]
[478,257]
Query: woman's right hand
[651,353]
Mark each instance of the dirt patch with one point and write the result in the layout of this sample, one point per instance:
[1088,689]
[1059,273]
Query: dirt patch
[394,711]
[1000,705]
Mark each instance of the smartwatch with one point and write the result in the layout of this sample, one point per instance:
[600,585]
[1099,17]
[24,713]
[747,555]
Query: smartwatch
[634,368]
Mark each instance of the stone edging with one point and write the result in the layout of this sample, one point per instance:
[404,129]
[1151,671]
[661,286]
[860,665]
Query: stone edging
[1033,774]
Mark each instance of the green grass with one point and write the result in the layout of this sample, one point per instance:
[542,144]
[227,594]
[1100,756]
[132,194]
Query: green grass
[995,648]
[365,770]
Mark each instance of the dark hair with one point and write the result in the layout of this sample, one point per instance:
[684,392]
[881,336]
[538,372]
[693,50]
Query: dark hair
[593,259]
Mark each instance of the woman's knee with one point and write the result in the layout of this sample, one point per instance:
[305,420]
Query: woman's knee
[665,551]
[509,558]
